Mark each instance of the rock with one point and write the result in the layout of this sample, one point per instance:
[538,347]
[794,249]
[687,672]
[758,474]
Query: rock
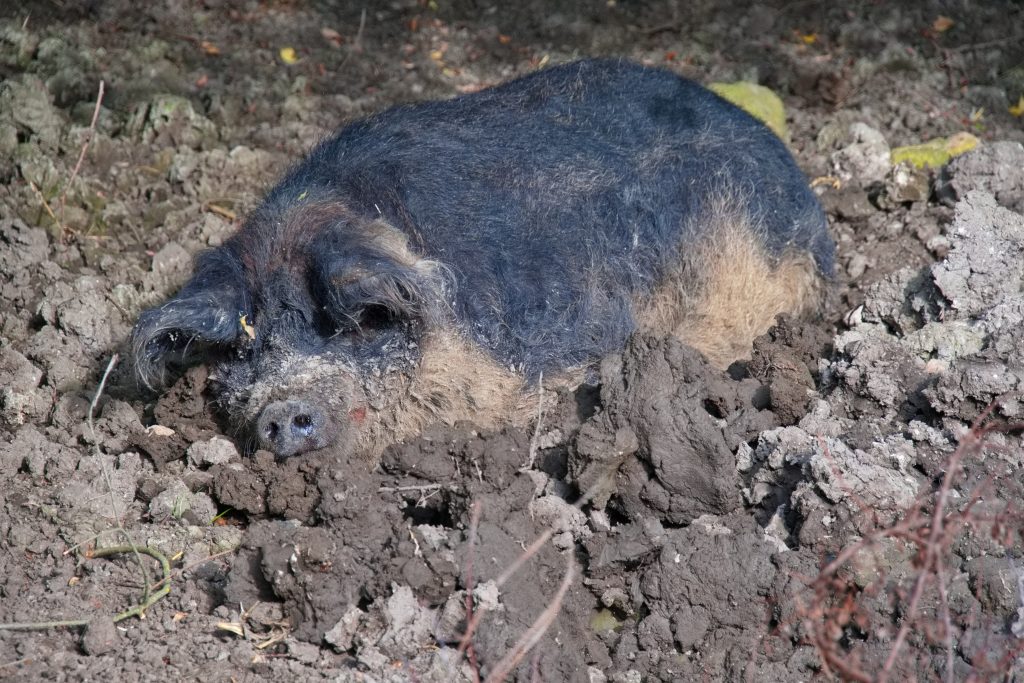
[865,160]
[216,451]
[100,636]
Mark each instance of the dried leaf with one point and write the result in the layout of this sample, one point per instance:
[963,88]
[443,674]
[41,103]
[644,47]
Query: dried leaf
[331,36]
[159,430]
[231,627]
[1017,109]
[249,330]
[942,24]
[288,55]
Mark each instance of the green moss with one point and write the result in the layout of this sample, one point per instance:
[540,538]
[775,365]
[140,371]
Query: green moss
[603,621]
[936,152]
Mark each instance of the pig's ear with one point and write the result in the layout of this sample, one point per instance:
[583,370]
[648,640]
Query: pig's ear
[380,279]
[207,312]
[357,284]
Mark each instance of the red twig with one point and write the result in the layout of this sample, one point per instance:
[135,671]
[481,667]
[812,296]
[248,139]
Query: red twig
[540,626]
[85,147]
[473,621]
[828,615]
[536,631]
[936,542]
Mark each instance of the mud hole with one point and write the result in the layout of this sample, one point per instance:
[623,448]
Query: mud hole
[717,500]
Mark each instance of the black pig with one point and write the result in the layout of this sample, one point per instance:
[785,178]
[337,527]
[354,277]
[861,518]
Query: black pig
[434,260]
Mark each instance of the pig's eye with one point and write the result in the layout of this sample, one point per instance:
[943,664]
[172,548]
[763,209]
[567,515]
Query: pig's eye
[367,322]
[377,318]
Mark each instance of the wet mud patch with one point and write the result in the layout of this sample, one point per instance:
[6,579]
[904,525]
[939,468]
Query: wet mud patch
[666,434]
[383,574]
[654,469]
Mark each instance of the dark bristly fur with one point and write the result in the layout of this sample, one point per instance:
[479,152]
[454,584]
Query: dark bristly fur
[431,261]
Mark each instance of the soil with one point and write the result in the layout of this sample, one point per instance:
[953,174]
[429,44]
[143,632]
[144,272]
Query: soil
[767,523]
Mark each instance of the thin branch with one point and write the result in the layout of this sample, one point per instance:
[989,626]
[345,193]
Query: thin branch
[85,146]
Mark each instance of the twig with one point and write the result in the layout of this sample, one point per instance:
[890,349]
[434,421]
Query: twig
[357,44]
[182,570]
[524,557]
[983,45]
[426,491]
[421,488]
[16,662]
[46,205]
[947,620]
[473,618]
[149,595]
[87,541]
[222,212]
[934,545]
[415,542]
[931,529]
[85,146]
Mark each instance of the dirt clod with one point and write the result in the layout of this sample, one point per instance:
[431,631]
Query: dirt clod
[100,636]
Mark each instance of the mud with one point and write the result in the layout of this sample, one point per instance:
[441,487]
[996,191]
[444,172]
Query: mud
[692,508]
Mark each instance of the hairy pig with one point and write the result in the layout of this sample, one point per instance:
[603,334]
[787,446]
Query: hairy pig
[433,261]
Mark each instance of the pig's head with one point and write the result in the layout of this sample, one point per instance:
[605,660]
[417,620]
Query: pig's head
[310,319]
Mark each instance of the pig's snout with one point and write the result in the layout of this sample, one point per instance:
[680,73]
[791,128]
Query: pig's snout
[292,427]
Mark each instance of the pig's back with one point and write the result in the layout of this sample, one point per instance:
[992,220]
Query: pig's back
[561,199]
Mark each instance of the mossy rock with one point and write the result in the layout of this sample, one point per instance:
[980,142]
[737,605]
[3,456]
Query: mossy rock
[758,101]
[936,152]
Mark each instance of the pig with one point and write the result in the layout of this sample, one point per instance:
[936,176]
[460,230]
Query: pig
[434,261]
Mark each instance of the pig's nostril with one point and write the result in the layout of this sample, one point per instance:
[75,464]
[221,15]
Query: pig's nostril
[293,426]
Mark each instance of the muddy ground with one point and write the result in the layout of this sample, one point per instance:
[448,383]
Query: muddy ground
[774,522]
